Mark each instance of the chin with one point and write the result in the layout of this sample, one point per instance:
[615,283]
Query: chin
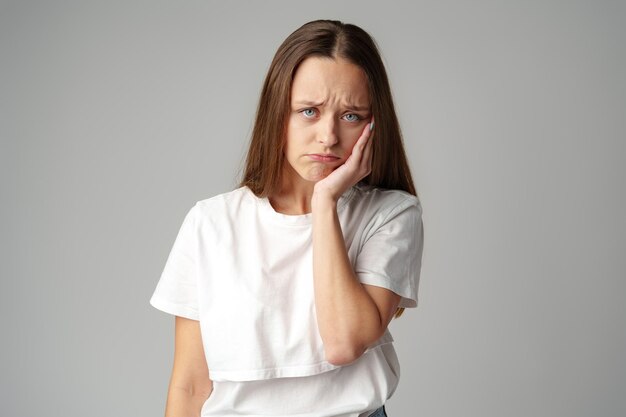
[318,173]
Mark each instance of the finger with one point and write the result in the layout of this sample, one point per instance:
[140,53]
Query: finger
[357,149]
[366,160]
[367,153]
[368,146]
[363,140]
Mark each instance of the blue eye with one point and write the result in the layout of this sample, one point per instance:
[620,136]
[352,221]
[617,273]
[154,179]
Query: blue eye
[354,118]
[308,113]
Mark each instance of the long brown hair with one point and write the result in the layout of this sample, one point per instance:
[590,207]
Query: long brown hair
[331,39]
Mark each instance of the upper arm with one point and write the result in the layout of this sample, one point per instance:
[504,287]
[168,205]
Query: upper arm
[190,371]
[391,254]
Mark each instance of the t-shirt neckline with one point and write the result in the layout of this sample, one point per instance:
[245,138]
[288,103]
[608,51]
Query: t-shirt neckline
[296,219]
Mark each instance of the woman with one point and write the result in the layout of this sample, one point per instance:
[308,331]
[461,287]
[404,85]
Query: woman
[283,288]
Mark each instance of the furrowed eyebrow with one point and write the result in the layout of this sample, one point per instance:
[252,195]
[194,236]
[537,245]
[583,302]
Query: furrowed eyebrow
[316,104]
[357,108]
[308,103]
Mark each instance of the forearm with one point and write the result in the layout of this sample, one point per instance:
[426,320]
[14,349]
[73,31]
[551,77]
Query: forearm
[348,319]
[185,401]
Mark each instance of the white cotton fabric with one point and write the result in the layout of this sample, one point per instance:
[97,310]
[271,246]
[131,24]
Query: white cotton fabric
[245,272]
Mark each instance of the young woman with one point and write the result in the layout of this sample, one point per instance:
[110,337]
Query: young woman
[284,287]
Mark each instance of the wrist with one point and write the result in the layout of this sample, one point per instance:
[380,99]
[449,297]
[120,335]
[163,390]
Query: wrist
[323,199]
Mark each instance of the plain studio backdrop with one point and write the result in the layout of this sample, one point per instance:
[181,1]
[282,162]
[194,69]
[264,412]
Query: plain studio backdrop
[117,116]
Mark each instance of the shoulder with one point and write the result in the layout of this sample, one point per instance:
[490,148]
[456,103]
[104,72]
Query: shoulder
[236,196]
[225,204]
[383,202]
[368,209]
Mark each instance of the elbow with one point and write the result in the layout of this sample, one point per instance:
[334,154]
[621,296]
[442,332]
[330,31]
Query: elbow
[343,355]
[345,352]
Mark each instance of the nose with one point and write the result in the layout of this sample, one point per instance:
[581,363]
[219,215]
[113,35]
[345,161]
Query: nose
[327,134]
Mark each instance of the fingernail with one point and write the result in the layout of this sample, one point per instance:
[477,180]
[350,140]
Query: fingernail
[371,126]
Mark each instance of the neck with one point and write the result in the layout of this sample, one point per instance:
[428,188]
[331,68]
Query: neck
[294,196]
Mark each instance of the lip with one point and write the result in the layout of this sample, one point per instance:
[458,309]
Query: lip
[323,157]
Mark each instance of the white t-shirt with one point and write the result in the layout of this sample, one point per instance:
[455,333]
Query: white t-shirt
[245,272]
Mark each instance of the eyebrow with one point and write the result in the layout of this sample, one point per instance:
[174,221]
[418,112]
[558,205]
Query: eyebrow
[315,104]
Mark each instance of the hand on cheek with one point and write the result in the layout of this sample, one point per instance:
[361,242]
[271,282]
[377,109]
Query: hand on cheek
[357,166]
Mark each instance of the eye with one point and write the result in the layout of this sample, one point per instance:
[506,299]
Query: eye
[352,117]
[308,113]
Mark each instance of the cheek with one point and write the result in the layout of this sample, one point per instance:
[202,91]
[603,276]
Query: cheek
[291,136]
[296,136]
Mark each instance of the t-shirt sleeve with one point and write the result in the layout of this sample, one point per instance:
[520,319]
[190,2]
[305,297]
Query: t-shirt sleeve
[177,292]
[391,256]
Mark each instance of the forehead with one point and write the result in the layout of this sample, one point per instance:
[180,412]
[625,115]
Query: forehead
[330,80]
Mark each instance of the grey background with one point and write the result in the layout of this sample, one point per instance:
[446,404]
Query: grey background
[117,116]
